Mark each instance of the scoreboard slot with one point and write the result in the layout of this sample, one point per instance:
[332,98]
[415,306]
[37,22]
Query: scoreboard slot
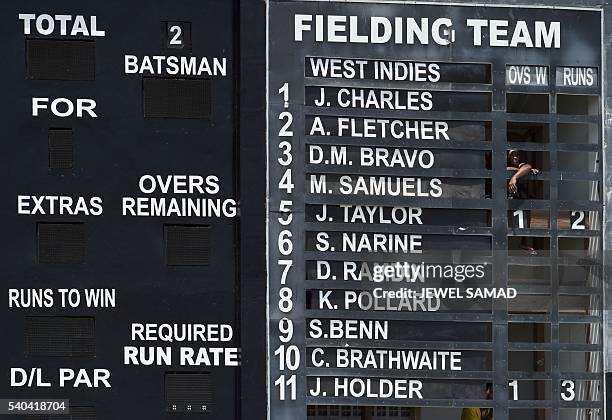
[528,274]
[61,243]
[579,191]
[527,133]
[60,336]
[187,245]
[527,103]
[529,332]
[60,59]
[189,392]
[61,149]
[529,361]
[585,162]
[528,304]
[583,133]
[578,104]
[529,246]
[532,413]
[176,98]
[579,303]
[577,275]
[578,247]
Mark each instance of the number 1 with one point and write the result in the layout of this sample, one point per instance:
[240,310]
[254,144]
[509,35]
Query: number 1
[284,90]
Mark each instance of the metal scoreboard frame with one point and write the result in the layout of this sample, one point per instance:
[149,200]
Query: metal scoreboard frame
[601,180]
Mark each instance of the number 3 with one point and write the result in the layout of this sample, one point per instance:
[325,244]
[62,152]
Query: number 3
[568,394]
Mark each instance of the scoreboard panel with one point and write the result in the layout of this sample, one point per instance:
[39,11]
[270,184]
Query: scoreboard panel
[318,210]
[123,262]
[435,211]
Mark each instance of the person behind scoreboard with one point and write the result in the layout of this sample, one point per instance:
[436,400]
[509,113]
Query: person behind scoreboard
[519,190]
[480,413]
[520,169]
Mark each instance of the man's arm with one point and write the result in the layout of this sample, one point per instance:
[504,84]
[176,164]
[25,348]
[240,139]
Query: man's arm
[525,169]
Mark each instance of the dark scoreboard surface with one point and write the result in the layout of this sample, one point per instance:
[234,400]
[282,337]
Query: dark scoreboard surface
[122,261]
[295,210]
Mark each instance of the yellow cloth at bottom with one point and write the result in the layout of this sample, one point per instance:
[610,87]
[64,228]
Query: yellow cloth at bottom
[477,414]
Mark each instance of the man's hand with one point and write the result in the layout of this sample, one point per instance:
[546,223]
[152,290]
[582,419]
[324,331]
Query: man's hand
[534,171]
[512,185]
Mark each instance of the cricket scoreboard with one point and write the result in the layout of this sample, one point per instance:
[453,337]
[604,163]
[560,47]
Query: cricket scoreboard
[309,210]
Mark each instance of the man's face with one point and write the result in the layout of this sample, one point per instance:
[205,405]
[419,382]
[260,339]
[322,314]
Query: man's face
[514,159]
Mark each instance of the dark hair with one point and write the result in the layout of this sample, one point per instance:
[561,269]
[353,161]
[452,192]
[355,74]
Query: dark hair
[509,158]
[489,386]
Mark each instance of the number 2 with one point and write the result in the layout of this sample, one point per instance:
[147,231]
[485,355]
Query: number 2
[284,131]
[577,218]
[176,39]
